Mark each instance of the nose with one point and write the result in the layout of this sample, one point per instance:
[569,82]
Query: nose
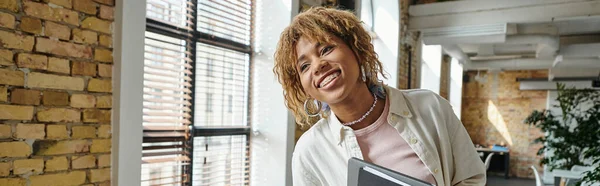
[320,67]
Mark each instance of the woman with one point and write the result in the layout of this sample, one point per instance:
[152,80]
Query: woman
[328,69]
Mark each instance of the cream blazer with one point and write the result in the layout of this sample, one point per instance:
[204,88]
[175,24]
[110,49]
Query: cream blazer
[424,120]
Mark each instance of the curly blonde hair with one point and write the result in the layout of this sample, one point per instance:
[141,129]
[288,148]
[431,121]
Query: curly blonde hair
[318,24]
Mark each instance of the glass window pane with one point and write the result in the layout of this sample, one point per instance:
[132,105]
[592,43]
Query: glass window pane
[221,86]
[221,160]
[167,11]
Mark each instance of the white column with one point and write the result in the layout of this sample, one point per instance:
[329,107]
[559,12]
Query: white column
[128,70]
[456,83]
[386,24]
[272,141]
[431,67]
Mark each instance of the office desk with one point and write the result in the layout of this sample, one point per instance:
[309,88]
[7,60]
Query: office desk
[498,154]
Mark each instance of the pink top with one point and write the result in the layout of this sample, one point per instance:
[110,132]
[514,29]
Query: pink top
[396,154]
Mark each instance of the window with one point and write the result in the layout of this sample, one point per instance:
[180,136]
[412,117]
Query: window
[196,79]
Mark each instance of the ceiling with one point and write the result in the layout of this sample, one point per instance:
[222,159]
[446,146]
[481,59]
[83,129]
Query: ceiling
[560,35]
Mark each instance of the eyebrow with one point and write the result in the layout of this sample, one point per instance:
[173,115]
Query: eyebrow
[302,57]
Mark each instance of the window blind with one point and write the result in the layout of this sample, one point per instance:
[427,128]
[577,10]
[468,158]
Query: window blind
[196,84]
[221,139]
[167,98]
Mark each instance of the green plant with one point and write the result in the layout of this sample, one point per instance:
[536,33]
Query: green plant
[573,136]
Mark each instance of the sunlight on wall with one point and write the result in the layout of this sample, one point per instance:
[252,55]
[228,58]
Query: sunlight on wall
[431,67]
[497,120]
[456,86]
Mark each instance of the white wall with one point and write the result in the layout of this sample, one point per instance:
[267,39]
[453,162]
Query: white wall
[130,21]
[456,83]
[431,67]
[273,140]
[387,28]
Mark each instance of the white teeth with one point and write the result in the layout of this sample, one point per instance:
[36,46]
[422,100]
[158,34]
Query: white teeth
[329,78]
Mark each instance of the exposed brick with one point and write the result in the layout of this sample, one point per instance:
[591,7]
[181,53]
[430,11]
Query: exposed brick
[80,132]
[5,131]
[104,101]
[13,181]
[14,149]
[83,101]
[107,183]
[96,116]
[5,168]
[85,36]
[25,97]
[16,41]
[51,98]
[107,12]
[100,85]
[104,131]
[9,5]
[499,102]
[106,2]
[57,132]
[83,68]
[34,61]
[30,131]
[13,112]
[57,164]
[48,147]
[103,55]
[59,65]
[85,6]
[104,160]
[41,80]
[105,70]
[72,178]
[28,165]
[31,25]
[63,3]
[12,77]
[3,94]
[63,48]
[99,175]
[6,57]
[100,145]
[96,24]
[8,20]
[46,12]
[106,41]
[58,115]
[56,30]
[83,162]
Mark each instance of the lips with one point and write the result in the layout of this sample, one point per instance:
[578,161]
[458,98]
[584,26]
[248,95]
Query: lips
[328,78]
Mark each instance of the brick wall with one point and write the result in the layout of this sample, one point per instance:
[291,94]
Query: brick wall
[445,76]
[408,56]
[493,111]
[55,92]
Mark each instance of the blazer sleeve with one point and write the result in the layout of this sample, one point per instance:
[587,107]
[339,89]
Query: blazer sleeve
[468,167]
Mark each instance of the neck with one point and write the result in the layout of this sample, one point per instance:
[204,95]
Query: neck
[356,105]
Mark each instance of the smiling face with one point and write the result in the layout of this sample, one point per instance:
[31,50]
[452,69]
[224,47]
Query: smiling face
[328,72]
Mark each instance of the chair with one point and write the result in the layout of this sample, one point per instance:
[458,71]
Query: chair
[538,178]
[579,168]
[488,159]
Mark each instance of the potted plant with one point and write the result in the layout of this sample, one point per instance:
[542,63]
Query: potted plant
[573,136]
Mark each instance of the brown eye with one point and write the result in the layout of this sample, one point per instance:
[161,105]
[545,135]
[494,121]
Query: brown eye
[303,67]
[326,50]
